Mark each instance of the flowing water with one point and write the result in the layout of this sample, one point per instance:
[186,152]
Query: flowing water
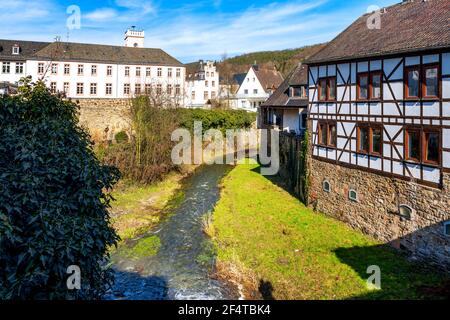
[177,271]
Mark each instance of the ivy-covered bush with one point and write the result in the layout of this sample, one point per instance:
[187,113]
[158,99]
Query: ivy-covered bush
[121,137]
[217,119]
[53,200]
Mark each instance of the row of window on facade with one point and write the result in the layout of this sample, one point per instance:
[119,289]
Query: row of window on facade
[54,67]
[419,83]
[213,83]
[6,67]
[422,144]
[206,95]
[255,91]
[251,104]
[138,89]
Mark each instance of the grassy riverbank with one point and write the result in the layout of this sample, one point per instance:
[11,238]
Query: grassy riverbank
[139,208]
[270,242]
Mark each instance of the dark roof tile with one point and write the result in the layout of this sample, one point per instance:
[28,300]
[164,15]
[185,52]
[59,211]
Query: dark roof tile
[405,27]
[27,49]
[80,52]
[280,98]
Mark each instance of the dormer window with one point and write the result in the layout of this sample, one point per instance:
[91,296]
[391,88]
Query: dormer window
[298,92]
[15,49]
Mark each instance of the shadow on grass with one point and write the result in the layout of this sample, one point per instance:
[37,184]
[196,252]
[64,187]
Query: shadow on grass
[278,181]
[265,288]
[400,278]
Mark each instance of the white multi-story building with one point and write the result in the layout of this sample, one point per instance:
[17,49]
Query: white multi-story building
[95,71]
[257,87]
[202,84]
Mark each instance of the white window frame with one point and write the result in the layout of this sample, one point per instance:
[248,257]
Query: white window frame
[108,86]
[19,66]
[324,188]
[41,68]
[406,207]
[53,87]
[356,198]
[15,50]
[94,86]
[66,85]
[6,66]
[54,69]
[80,85]
[126,89]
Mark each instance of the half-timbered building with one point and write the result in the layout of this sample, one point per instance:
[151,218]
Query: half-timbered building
[379,106]
[286,109]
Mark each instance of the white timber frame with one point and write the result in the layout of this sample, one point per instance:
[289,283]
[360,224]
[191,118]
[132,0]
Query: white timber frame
[394,113]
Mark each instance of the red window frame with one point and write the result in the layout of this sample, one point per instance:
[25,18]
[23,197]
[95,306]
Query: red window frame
[358,86]
[423,145]
[406,80]
[327,89]
[370,128]
[425,132]
[369,76]
[327,125]
[372,75]
[424,82]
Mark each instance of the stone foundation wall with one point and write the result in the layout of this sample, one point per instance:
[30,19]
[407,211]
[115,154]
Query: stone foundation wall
[105,117]
[377,210]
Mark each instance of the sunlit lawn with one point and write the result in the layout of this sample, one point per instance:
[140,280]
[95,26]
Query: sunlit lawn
[303,254]
[138,208]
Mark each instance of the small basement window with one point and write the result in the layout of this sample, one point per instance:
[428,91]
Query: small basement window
[326,186]
[447,228]
[353,195]
[405,211]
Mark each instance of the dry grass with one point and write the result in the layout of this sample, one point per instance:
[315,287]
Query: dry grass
[239,278]
[208,226]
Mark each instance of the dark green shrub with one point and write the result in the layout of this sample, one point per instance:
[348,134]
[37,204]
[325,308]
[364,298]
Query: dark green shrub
[53,208]
[121,137]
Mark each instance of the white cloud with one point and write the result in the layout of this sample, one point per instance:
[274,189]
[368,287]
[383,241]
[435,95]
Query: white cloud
[20,10]
[101,14]
[274,26]
[143,6]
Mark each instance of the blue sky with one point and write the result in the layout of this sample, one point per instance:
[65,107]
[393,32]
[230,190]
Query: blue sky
[189,30]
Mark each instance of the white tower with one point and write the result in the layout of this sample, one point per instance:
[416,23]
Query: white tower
[134,38]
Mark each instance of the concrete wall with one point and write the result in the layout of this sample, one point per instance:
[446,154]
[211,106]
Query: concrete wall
[376,211]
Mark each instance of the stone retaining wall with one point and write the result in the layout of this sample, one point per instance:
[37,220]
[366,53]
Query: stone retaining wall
[105,117]
[377,210]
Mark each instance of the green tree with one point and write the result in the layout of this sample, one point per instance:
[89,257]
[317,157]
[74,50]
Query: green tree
[53,200]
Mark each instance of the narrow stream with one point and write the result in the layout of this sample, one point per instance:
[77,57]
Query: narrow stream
[177,271]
